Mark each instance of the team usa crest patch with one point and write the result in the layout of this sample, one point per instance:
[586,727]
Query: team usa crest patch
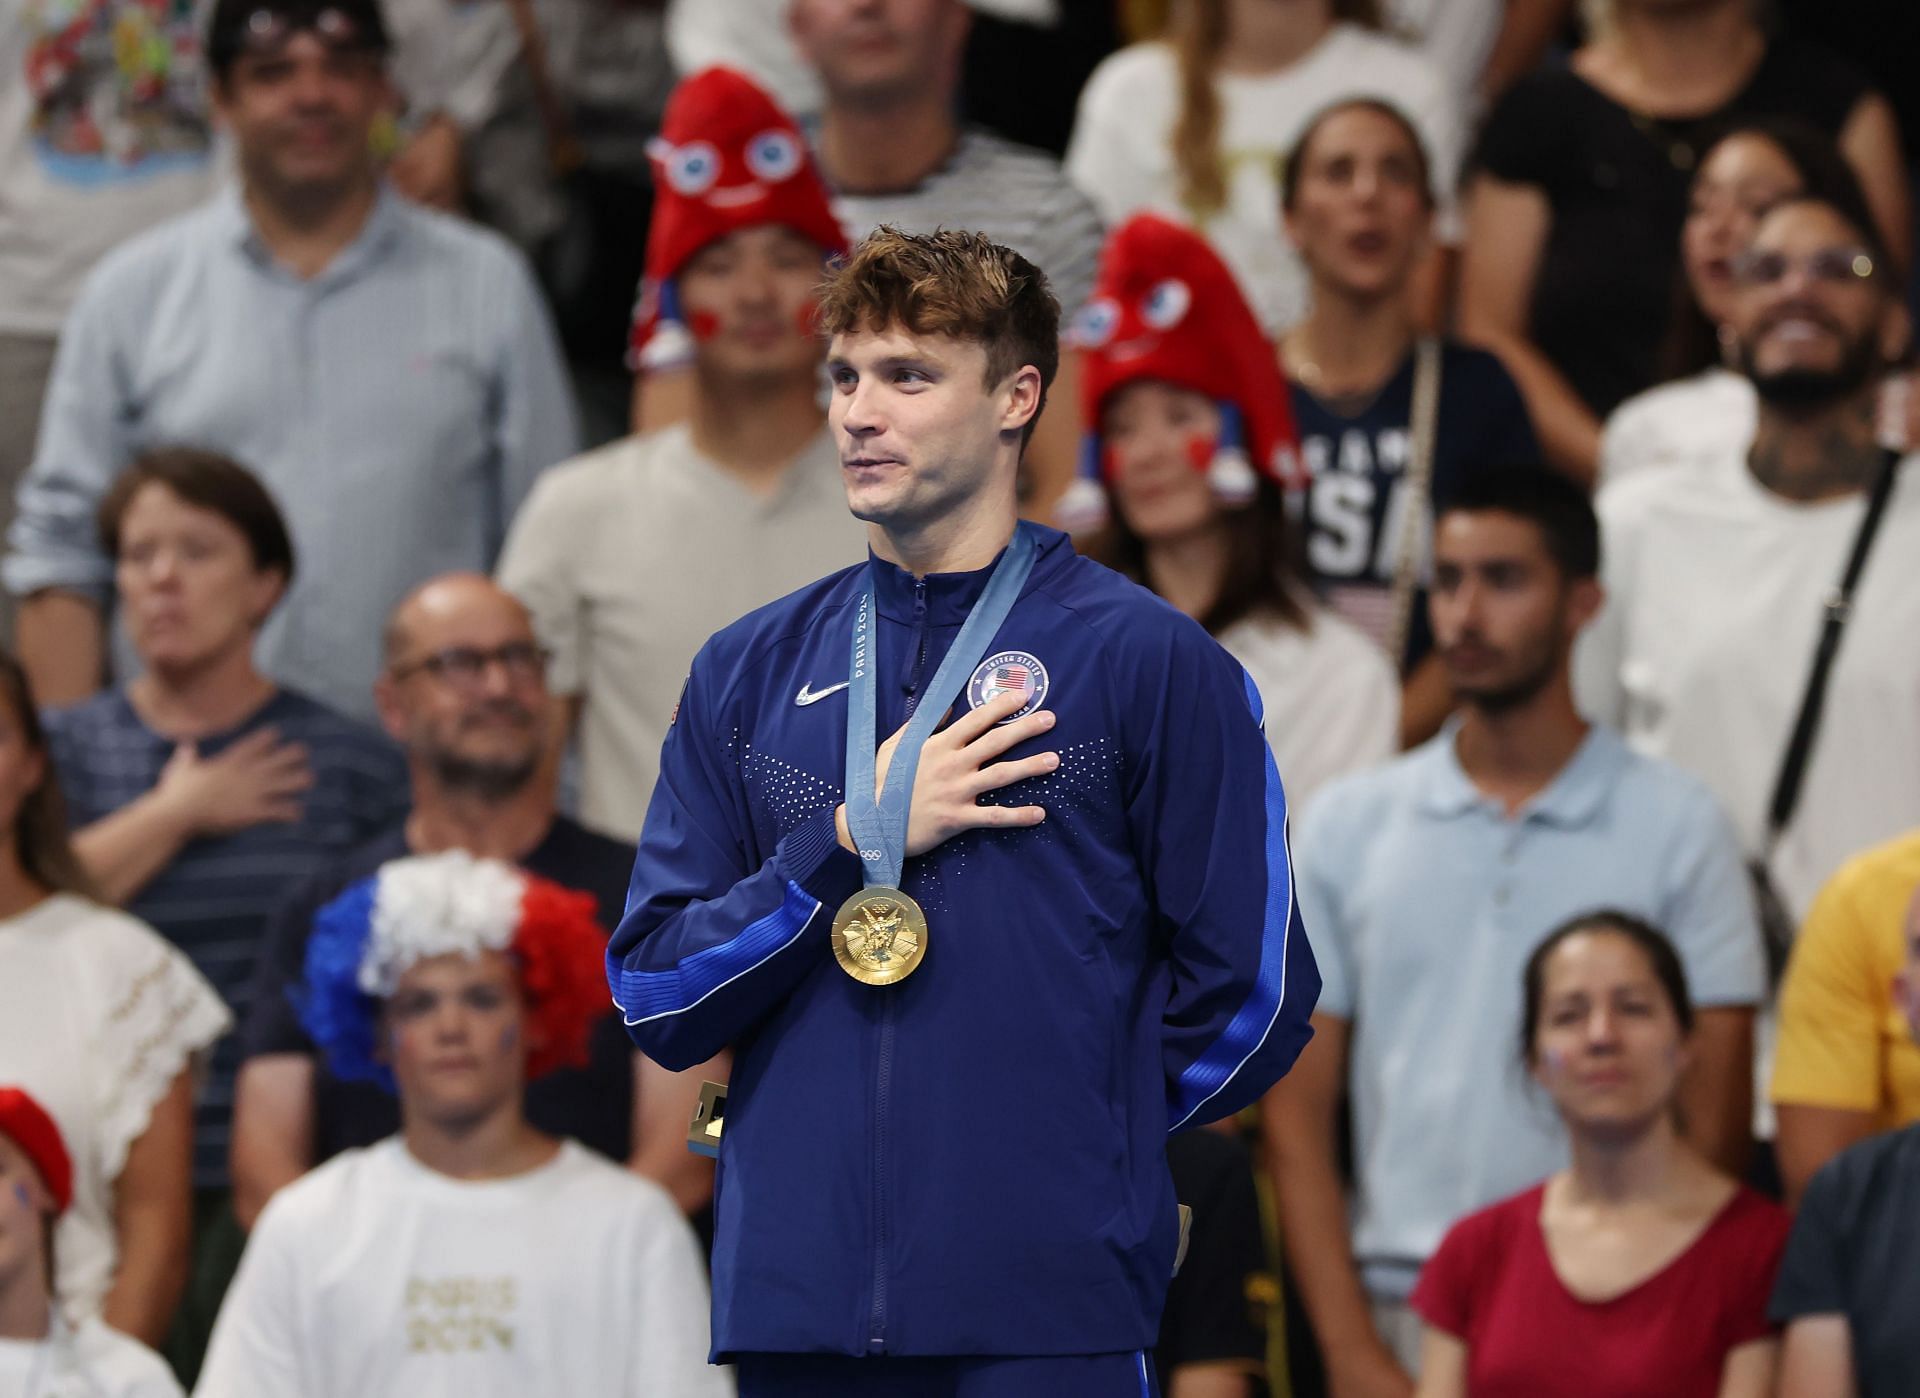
[1009,672]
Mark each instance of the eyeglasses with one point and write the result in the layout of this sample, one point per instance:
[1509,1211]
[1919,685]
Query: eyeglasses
[465,667]
[1828,267]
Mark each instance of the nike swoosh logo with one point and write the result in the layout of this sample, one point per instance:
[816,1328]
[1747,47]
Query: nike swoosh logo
[809,695]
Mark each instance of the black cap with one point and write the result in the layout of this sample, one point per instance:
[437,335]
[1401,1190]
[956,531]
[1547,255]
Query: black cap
[243,26]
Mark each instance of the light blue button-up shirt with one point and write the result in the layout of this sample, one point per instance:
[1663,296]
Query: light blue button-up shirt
[1424,900]
[398,406]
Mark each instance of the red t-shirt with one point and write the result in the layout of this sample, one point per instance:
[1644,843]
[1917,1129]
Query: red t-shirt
[1492,1285]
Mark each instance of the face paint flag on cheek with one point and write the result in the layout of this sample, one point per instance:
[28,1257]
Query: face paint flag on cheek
[726,158]
[1166,308]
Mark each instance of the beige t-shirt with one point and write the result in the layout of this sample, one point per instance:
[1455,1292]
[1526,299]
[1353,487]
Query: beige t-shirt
[630,557]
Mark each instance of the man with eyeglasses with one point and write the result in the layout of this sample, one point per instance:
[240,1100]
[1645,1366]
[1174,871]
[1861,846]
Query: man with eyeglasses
[1721,577]
[389,372]
[464,692]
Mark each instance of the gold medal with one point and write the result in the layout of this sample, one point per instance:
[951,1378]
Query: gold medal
[879,936]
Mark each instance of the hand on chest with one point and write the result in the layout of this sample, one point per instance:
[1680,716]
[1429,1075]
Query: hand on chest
[795,762]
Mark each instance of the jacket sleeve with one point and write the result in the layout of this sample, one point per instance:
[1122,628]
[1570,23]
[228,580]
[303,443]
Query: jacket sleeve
[713,939]
[1210,823]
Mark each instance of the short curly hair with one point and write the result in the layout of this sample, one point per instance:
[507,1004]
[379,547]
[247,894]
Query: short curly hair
[953,283]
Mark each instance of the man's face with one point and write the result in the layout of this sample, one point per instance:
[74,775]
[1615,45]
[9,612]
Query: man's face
[454,1030]
[1811,317]
[465,690]
[918,428]
[881,53]
[302,115]
[1504,617]
[749,301]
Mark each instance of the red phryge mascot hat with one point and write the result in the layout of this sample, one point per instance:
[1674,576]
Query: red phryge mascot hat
[1166,307]
[26,1123]
[726,158]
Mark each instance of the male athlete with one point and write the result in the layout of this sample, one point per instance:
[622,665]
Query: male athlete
[967,1003]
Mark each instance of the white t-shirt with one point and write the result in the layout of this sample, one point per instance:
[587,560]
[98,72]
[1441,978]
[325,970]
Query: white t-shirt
[1700,420]
[88,1361]
[1715,590]
[1122,154]
[630,557]
[88,157]
[98,1016]
[106,129]
[1457,36]
[751,35]
[1331,699]
[374,1277]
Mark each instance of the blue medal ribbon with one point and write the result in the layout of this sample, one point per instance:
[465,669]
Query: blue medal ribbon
[879,824]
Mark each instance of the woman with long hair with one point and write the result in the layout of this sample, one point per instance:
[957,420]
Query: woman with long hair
[1579,190]
[1196,125]
[1706,409]
[102,1021]
[1638,1269]
[1390,420]
[1192,443]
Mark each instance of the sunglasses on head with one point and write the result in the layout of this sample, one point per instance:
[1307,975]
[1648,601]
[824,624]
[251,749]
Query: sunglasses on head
[268,30]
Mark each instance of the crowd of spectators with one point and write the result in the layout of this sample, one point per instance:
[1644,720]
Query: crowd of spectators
[396,394]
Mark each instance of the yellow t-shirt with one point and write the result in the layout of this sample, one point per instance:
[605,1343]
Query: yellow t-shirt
[1844,1042]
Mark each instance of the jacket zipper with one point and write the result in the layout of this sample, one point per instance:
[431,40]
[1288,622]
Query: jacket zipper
[883,1069]
[883,1083]
[923,635]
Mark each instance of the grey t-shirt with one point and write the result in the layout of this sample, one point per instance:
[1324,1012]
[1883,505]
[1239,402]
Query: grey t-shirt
[1852,1253]
[1017,196]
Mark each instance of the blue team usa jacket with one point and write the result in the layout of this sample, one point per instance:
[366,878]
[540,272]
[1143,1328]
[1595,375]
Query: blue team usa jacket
[971,1161]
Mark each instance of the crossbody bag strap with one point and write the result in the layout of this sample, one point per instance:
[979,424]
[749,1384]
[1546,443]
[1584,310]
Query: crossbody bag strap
[1839,607]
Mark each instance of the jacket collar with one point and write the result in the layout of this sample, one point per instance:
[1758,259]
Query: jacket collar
[950,596]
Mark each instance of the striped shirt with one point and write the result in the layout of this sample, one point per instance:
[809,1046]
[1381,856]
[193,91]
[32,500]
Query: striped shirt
[214,900]
[398,406]
[1015,195]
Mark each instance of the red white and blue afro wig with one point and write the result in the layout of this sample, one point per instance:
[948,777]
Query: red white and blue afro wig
[434,905]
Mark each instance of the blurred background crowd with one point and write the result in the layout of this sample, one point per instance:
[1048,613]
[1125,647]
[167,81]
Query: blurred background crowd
[395,394]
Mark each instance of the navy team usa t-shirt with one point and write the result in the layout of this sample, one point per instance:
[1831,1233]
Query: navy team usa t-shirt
[1351,512]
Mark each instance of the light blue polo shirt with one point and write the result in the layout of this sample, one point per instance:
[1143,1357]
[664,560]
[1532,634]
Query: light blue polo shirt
[397,406]
[1424,899]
